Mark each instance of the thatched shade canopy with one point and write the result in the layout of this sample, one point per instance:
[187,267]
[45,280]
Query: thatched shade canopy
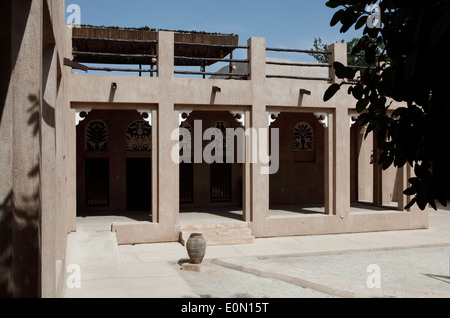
[110,45]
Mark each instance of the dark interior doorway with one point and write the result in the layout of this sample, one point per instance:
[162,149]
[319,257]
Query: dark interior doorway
[186,183]
[221,179]
[139,184]
[97,182]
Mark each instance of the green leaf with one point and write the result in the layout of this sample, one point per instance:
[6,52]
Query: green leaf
[364,119]
[387,162]
[441,26]
[422,203]
[337,17]
[433,204]
[348,19]
[331,4]
[411,63]
[331,91]
[400,159]
[368,130]
[360,45]
[361,22]
[361,105]
[371,55]
[358,91]
[443,200]
[342,71]
[410,204]
[350,89]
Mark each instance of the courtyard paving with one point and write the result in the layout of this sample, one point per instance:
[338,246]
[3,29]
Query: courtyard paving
[403,264]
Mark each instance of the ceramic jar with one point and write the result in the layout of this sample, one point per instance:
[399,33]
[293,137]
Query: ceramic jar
[196,248]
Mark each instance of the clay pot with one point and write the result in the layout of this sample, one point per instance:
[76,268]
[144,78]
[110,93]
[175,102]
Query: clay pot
[196,248]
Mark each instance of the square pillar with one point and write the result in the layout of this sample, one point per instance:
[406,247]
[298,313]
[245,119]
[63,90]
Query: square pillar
[257,59]
[166,52]
[402,184]
[329,169]
[25,91]
[167,120]
[246,180]
[259,191]
[338,54]
[341,167]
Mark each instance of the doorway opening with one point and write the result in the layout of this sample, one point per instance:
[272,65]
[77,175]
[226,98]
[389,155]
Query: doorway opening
[139,184]
[210,192]
[371,189]
[114,166]
[297,189]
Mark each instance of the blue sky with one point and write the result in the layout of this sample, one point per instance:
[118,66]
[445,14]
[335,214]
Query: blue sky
[284,23]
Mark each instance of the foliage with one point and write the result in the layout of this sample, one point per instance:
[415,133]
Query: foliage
[319,46]
[412,69]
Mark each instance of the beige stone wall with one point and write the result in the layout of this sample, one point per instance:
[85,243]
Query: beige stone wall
[256,98]
[33,209]
[6,160]
[57,138]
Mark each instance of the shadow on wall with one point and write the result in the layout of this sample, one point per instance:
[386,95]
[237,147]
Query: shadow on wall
[6,246]
[19,231]
[8,60]
[12,221]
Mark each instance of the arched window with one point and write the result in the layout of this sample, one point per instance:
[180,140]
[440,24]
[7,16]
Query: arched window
[139,136]
[96,136]
[304,137]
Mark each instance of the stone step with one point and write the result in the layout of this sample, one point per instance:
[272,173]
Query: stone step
[210,233]
[212,226]
[219,234]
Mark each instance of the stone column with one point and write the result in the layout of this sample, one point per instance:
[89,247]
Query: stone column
[338,54]
[341,166]
[246,180]
[47,159]
[329,201]
[259,184]
[341,141]
[168,120]
[377,174]
[6,152]
[26,94]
